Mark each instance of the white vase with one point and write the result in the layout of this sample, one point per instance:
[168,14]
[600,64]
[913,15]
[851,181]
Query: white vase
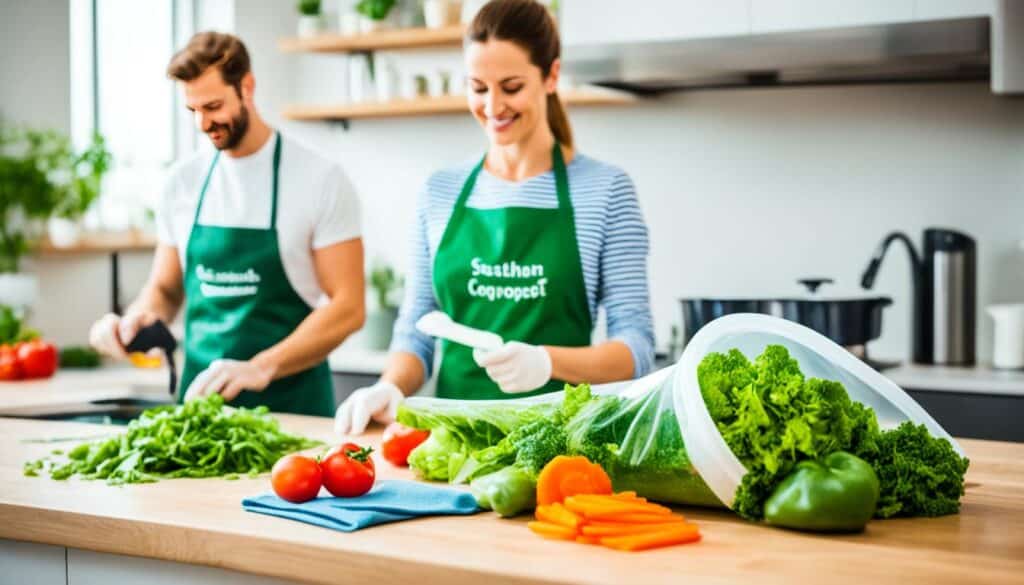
[63,232]
[1008,351]
[18,290]
[349,23]
[441,13]
[369,25]
[310,26]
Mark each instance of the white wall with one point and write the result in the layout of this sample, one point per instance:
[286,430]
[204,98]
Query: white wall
[35,66]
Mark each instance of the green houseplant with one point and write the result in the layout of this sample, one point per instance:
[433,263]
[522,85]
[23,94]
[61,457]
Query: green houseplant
[381,321]
[40,177]
[311,20]
[374,14]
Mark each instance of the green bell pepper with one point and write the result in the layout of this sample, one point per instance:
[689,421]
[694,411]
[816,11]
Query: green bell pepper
[837,494]
[507,491]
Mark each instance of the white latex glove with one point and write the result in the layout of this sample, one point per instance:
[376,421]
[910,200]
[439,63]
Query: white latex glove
[229,378]
[112,332]
[379,402]
[515,366]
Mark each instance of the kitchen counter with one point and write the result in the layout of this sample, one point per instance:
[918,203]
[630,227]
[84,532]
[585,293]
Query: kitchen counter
[201,522]
[972,380]
[71,388]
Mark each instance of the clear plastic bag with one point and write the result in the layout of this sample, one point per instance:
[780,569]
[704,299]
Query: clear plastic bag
[638,442]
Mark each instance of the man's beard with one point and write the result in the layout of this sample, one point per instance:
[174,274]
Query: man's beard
[235,130]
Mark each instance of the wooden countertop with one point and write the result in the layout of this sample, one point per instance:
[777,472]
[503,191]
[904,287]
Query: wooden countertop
[201,521]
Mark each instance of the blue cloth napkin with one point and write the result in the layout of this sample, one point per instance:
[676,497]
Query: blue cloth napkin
[388,501]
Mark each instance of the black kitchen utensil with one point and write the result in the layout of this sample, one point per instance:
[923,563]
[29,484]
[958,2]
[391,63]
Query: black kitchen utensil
[159,336]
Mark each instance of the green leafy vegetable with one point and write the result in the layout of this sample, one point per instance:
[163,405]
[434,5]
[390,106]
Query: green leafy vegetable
[201,438]
[772,418]
[920,475]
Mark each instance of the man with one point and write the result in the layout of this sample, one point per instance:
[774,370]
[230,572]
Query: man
[251,236]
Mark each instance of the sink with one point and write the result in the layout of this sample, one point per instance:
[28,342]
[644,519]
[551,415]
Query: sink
[111,411]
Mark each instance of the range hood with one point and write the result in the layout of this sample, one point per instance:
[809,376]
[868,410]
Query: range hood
[937,50]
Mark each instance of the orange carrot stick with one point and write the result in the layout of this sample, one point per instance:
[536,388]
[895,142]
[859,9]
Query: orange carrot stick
[549,530]
[635,518]
[628,529]
[558,514]
[634,542]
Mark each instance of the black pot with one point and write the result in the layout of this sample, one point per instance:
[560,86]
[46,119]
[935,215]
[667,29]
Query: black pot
[849,322]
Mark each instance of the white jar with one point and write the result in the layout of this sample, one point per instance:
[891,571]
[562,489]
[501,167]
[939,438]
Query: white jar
[1008,351]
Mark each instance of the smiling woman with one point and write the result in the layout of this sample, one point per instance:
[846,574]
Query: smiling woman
[527,242]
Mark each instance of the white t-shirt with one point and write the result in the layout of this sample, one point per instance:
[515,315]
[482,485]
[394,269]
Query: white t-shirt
[316,205]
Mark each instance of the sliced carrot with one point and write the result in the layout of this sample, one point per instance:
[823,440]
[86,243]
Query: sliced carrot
[588,539]
[635,518]
[627,529]
[598,509]
[549,530]
[565,476]
[669,537]
[559,514]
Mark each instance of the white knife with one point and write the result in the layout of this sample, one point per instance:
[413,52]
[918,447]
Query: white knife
[438,324]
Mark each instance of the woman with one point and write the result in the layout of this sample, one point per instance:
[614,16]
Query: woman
[527,242]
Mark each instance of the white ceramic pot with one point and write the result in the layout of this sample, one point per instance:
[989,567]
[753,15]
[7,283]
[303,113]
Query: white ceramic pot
[64,232]
[348,23]
[369,25]
[441,13]
[310,26]
[1008,351]
[18,290]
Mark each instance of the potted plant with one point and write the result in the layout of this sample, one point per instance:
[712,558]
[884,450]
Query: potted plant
[441,13]
[374,14]
[381,321]
[81,175]
[41,178]
[311,21]
[27,199]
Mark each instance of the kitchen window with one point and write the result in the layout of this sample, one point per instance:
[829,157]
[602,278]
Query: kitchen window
[119,51]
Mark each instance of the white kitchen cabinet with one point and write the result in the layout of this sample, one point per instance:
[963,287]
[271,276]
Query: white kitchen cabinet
[30,562]
[939,9]
[791,15]
[608,21]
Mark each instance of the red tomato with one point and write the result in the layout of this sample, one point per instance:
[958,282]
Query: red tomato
[348,470]
[38,359]
[10,367]
[399,440]
[296,478]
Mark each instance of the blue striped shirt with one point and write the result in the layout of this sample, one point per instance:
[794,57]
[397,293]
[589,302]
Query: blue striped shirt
[610,232]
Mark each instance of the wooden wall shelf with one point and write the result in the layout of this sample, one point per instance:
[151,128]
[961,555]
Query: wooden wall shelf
[405,38]
[103,243]
[455,104]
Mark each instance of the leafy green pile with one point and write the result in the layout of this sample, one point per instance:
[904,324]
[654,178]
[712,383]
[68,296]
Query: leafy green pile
[201,438]
[772,418]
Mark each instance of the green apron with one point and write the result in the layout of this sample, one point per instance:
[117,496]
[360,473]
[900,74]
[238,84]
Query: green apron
[515,271]
[238,302]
